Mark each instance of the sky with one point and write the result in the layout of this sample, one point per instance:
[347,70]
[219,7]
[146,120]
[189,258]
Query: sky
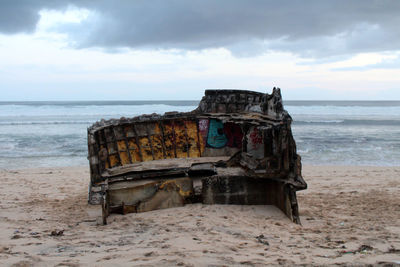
[174,49]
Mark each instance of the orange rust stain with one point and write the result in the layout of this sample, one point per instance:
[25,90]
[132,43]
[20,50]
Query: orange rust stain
[124,158]
[156,141]
[132,144]
[134,150]
[146,148]
[135,156]
[191,127]
[121,145]
[180,137]
[168,140]
[114,160]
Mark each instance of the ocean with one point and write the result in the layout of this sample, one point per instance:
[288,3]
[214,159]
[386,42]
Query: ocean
[49,134]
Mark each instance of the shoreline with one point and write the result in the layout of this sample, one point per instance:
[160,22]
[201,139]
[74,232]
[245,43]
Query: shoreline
[349,215]
[306,166]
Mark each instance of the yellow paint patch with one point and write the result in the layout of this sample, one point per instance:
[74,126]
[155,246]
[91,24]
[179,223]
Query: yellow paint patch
[134,150]
[168,140]
[180,139]
[156,141]
[124,158]
[114,160]
[135,156]
[132,144]
[191,127]
[146,148]
[121,145]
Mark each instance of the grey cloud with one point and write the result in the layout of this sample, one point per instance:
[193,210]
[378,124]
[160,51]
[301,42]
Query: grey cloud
[22,15]
[17,16]
[310,28]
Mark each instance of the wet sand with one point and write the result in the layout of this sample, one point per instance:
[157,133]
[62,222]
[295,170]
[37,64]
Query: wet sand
[350,216]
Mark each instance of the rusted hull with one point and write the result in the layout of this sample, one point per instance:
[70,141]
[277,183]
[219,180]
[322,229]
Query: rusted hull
[250,130]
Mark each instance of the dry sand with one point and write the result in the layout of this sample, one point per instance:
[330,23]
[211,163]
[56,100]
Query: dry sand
[350,216]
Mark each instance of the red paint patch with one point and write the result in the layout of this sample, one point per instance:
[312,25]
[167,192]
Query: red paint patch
[256,138]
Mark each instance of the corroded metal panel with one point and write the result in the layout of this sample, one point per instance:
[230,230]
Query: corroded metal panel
[156,139]
[114,161]
[145,146]
[111,147]
[169,139]
[157,143]
[193,138]
[134,150]
[121,145]
[180,139]
[124,158]
[250,130]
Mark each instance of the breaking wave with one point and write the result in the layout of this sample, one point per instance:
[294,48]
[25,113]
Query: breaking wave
[326,132]
[351,122]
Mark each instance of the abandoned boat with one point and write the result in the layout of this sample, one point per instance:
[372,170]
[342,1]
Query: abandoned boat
[235,148]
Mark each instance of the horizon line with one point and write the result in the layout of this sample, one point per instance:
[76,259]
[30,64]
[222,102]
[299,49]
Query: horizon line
[192,100]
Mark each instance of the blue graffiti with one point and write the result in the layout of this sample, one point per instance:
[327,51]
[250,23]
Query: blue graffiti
[216,136]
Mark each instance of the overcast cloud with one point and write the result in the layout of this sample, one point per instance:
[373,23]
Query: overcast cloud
[310,28]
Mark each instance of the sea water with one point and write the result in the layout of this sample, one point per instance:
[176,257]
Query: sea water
[48,134]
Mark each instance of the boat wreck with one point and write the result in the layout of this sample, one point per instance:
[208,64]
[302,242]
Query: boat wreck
[235,148]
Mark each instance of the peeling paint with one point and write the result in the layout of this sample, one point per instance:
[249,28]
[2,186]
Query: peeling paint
[244,138]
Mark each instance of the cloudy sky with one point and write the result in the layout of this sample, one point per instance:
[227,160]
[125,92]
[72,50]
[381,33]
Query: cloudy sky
[174,49]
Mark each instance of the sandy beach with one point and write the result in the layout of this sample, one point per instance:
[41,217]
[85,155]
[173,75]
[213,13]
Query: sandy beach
[350,216]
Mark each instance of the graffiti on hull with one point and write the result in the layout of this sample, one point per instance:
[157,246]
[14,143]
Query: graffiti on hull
[220,135]
[216,137]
